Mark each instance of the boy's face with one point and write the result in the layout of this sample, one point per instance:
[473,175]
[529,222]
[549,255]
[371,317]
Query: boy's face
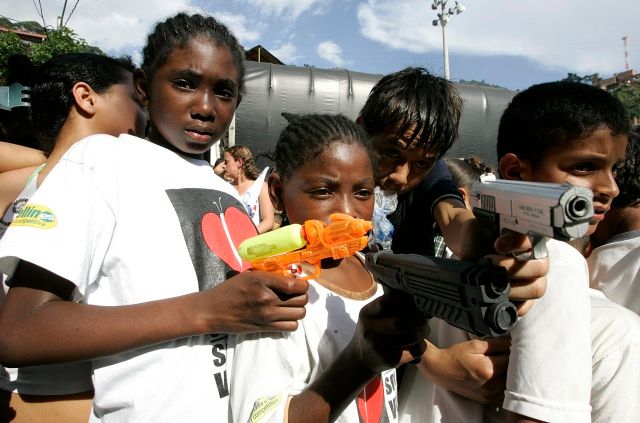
[399,168]
[193,96]
[122,112]
[588,162]
[339,180]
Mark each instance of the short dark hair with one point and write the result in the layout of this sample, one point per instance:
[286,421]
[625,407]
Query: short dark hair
[307,136]
[52,96]
[548,114]
[628,173]
[218,161]
[414,99]
[179,30]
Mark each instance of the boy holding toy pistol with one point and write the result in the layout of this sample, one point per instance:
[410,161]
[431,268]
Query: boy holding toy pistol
[555,132]
[411,117]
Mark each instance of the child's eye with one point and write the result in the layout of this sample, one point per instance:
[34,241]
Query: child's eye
[583,167]
[423,164]
[228,94]
[363,194]
[183,83]
[320,193]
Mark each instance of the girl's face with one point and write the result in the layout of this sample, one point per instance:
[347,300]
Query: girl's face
[122,112]
[339,180]
[192,97]
[589,162]
[232,166]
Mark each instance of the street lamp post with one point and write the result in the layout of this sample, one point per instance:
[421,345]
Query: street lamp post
[443,19]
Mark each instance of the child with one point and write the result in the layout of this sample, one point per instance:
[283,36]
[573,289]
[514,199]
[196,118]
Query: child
[219,167]
[316,373]
[122,254]
[464,172]
[572,132]
[251,185]
[411,117]
[74,95]
[560,132]
[613,264]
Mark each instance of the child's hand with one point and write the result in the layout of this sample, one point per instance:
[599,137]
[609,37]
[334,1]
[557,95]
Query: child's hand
[475,369]
[528,278]
[256,301]
[390,332]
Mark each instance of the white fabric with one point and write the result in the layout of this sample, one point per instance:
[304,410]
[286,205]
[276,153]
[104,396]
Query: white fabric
[59,379]
[615,335]
[269,368]
[251,197]
[615,270]
[549,371]
[22,198]
[131,224]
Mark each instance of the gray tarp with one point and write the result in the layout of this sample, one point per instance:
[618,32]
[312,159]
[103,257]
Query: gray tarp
[273,89]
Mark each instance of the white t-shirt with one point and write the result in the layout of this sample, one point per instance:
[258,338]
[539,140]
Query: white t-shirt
[549,373]
[128,222]
[615,332]
[268,368]
[615,269]
[57,379]
[251,198]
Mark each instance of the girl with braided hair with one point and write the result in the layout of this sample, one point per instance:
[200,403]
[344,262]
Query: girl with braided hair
[126,255]
[331,368]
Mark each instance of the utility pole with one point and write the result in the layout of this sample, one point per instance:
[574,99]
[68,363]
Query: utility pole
[626,53]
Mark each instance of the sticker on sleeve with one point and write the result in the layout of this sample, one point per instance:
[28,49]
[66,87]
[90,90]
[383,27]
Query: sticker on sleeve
[263,407]
[35,216]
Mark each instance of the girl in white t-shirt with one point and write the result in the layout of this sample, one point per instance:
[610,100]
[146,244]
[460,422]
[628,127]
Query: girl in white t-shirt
[122,255]
[338,365]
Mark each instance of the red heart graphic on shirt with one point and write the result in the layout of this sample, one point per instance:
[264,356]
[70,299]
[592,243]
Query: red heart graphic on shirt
[370,401]
[223,234]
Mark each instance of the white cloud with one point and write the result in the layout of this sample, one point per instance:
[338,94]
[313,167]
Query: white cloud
[288,9]
[122,25]
[331,52]
[584,35]
[287,53]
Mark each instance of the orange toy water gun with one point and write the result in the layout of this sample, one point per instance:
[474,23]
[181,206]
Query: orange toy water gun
[281,250]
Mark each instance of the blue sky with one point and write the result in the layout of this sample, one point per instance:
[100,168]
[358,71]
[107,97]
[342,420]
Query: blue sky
[512,43]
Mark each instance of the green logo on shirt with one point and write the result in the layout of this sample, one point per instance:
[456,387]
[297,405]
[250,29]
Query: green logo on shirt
[35,216]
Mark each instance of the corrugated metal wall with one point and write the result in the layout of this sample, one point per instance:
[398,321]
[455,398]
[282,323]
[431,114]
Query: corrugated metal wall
[273,89]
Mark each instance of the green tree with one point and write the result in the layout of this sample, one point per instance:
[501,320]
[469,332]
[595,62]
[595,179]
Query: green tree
[58,41]
[9,44]
[629,94]
[585,79]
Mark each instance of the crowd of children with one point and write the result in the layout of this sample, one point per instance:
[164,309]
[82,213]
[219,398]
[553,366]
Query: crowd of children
[123,263]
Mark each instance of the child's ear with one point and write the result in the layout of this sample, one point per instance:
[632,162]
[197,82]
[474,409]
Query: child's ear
[141,87]
[84,97]
[276,191]
[514,168]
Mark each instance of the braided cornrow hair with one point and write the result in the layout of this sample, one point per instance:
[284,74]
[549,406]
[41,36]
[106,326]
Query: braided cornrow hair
[306,136]
[177,31]
[248,166]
